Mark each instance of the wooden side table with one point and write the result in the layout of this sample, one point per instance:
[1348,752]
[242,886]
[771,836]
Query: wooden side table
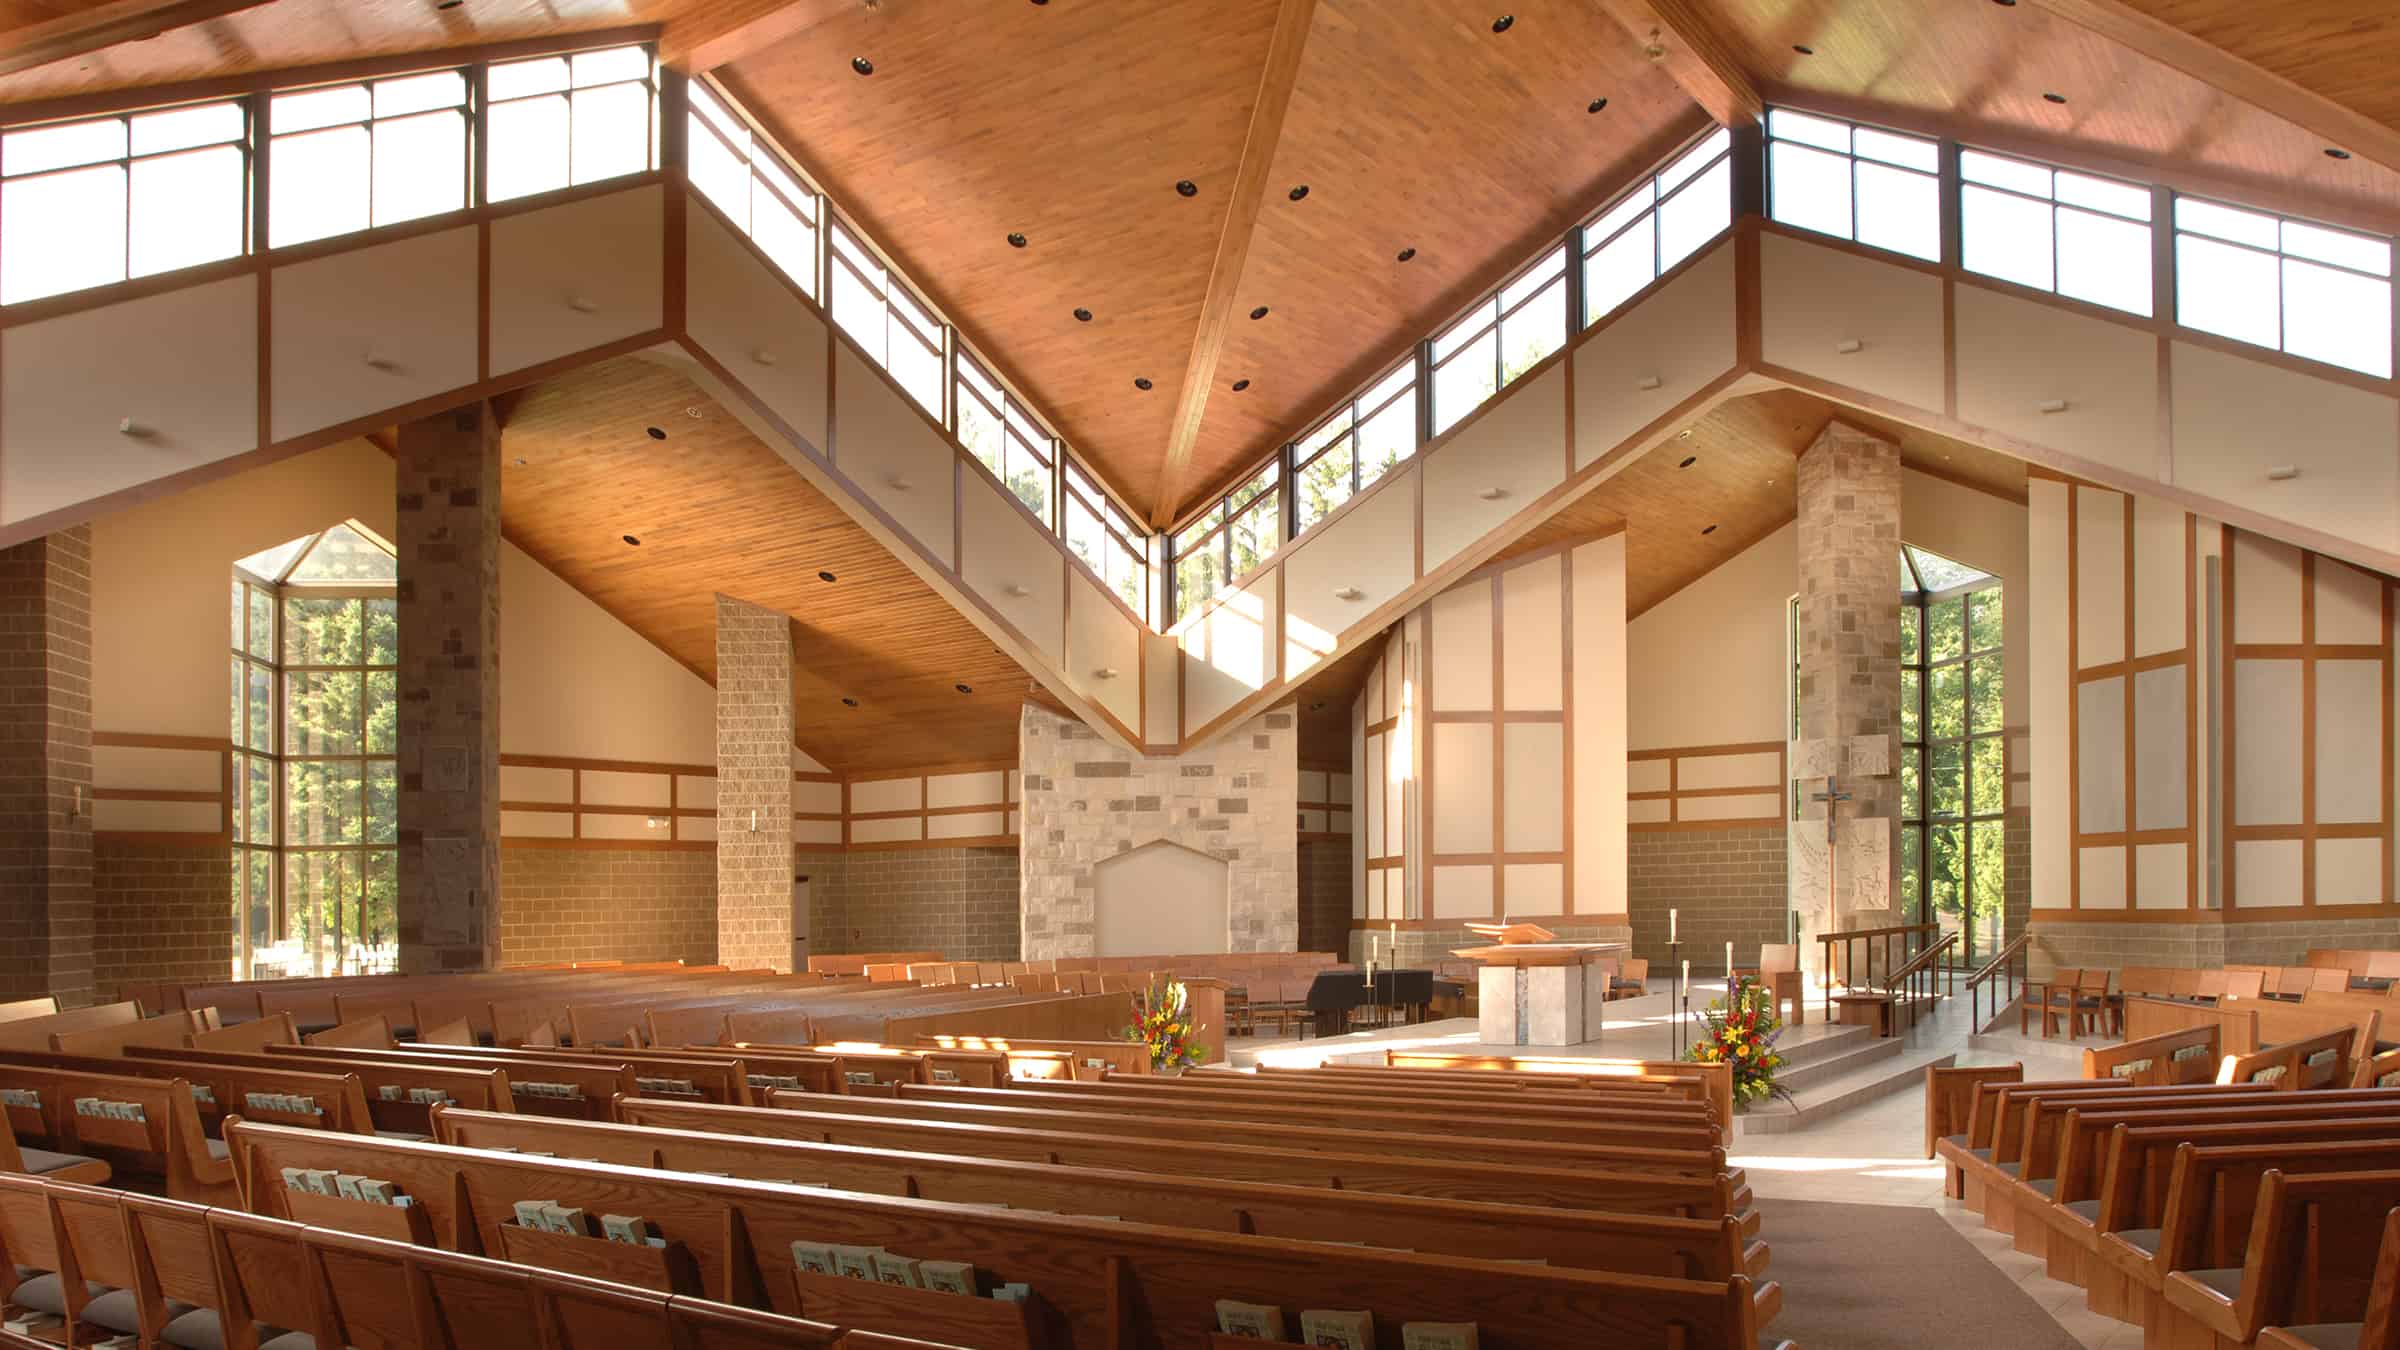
[1866,1010]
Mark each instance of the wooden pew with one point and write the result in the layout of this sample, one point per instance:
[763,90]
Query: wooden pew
[255,1034]
[34,1033]
[1950,1097]
[1117,1057]
[2187,1056]
[165,1141]
[1280,1094]
[373,1033]
[2311,1257]
[45,1006]
[387,1085]
[2327,1058]
[580,1089]
[328,1100]
[2377,1329]
[1685,1248]
[1987,1168]
[1598,1138]
[1639,1182]
[737,1236]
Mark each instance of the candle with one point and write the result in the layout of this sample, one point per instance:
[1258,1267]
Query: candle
[1729,960]
[1687,973]
[1670,925]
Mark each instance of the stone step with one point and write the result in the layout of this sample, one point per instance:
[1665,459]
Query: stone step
[1849,1054]
[1873,1078]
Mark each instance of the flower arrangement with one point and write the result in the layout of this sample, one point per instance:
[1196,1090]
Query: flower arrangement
[1162,1020]
[1741,1032]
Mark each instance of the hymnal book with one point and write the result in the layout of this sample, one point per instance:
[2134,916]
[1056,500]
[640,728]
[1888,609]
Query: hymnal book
[857,1263]
[346,1186]
[1338,1329]
[295,1179]
[320,1180]
[1258,1321]
[1013,1292]
[948,1277]
[27,1322]
[529,1213]
[375,1190]
[1437,1335]
[630,1229]
[900,1270]
[566,1220]
[814,1257]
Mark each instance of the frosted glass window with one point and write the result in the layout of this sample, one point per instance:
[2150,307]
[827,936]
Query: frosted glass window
[1877,187]
[874,307]
[102,200]
[2315,292]
[556,122]
[1363,439]
[1658,224]
[1503,336]
[2052,230]
[739,173]
[349,156]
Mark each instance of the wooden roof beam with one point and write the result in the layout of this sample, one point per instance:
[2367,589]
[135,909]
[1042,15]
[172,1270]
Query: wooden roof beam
[2339,126]
[723,32]
[1248,198]
[1676,35]
[105,25]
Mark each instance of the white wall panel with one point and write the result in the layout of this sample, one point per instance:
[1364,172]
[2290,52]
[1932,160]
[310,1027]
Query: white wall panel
[2266,873]
[1371,550]
[203,819]
[2349,604]
[168,770]
[2266,589]
[1229,654]
[816,831]
[1533,767]
[1534,888]
[967,825]
[2161,728]
[2103,878]
[2161,578]
[1462,892]
[2349,871]
[2099,577]
[607,787]
[2266,729]
[887,831]
[1532,673]
[1868,324]
[71,381]
[1516,449]
[1652,357]
[613,826]
[695,789]
[1101,638]
[1014,565]
[900,461]
[887,794]
[2235,419]
[2350,740]
[571,277]
[963,789]
[521,784]
[2100,732]
[1462,649]
[1714,771]
[816,797]
[537,825]
[1648,775]
[2017,357]
[1601,726]
[745,315]
[357,332]
[1461,784]
[1764,806]
[2161,876]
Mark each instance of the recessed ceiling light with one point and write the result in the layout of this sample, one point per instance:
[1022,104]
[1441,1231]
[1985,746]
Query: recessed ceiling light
[1185,187]
[656,433]
[1240,385]
[1688,461]
[1082,315]
[862,65]
[1142,382]
[1405,254]
[964,689]
[450,4]
[1710,530]
[693,412]
[2054,98]
[1258,313]
[1318,706]
[824,576]
[1016,240]
[631,540]
[1596,105]
[1684,435]
[1299,192]
[1504,23]
[2334,152]
[1804,49]
[518,462]
[849,702]
[2012,4]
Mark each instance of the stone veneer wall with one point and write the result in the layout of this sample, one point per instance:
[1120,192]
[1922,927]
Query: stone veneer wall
[1085,800]
[46,768]
[754,786]
[1325,895]
[160,911]
[579,904]
[961,902]
[1724,885]
[2200,945]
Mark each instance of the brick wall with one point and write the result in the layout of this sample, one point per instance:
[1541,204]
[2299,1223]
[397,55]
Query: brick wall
[2202,945]
[1725,885]
[1325,895]
[575,904]
[46,768]
[161,911]
[961,902]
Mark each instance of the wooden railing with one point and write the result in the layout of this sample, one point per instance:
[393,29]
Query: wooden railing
[1895,946]
[2005,969]
[1927,969]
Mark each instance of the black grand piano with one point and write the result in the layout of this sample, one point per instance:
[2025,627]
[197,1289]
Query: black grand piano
[1339,993]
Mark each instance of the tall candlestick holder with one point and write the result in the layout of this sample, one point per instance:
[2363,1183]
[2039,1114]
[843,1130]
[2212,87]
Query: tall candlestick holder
[1679,1000]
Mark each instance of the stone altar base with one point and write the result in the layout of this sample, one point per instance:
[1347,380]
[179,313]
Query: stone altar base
[1541,1005]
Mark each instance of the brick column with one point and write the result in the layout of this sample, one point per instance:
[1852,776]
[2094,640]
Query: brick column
[1849,684]
[46,768]
[449,686]
[754,785]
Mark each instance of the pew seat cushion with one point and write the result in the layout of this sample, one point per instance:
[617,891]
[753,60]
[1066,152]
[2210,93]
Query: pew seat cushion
[2008,1169]
[199,1329]
[2086,1210]
[2225,1280]
[2045,1186]
[404,1135]
[119,1311]
[45,1293]
[2328,1335]
[41,1162]
[1957,1141]
[2145,1239]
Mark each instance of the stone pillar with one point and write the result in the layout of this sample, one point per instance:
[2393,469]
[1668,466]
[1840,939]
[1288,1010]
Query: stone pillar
[754,786]
[1849,685]
[448,514]
[46,768]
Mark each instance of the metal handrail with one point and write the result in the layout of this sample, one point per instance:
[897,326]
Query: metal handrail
[2004,963]
[1903,982]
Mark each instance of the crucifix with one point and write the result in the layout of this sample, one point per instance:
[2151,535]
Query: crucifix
[1833,797]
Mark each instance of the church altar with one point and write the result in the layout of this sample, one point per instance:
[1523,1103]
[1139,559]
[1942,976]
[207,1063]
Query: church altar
[1542,993]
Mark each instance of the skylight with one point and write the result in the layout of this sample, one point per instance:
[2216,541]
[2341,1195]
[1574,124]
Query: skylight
[345,555]
[1931,572]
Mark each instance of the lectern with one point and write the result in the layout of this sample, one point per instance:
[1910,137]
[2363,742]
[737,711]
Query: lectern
[1534,991]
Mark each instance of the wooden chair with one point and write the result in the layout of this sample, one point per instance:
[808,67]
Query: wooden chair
[2093,1008]
[1779,970]
[2244,984]
[2049,997]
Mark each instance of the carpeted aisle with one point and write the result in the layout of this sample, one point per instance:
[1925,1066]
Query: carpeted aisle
[1892,1277]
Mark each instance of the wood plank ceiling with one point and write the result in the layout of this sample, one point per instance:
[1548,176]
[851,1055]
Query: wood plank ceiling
[717,511]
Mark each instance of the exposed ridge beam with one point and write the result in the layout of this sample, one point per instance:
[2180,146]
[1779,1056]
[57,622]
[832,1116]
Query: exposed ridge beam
[724,32]
[1248,199]
[2340,127]
[1676,35]
[105,25]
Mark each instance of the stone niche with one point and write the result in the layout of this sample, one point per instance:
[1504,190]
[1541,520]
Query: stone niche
[1234,801]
